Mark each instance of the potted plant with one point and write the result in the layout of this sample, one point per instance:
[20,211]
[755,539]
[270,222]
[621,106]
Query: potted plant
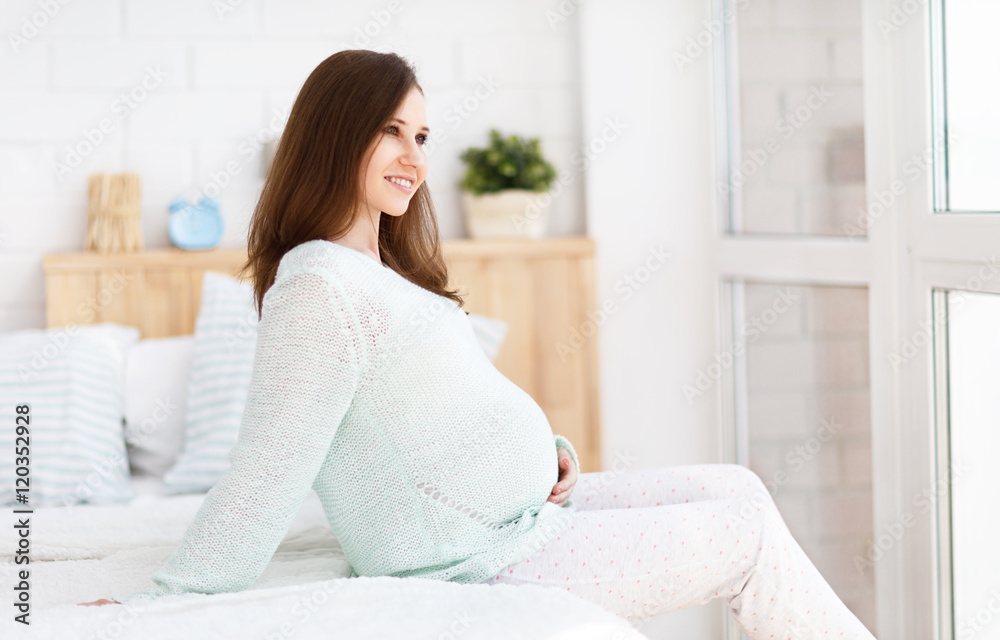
[505,188]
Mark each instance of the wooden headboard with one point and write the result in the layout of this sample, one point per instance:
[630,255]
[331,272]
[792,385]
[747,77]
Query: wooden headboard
[542,289]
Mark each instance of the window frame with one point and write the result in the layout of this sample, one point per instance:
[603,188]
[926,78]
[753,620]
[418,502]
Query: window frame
[910,255]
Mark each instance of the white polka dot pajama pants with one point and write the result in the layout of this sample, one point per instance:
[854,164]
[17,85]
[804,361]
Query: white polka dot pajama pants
[644,542]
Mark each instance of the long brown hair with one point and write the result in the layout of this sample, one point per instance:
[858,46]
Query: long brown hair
[313,188]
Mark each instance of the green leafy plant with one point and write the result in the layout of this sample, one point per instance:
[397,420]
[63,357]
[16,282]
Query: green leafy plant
[508,162]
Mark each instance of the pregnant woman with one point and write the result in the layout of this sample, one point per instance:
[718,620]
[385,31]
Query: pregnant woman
[369,387]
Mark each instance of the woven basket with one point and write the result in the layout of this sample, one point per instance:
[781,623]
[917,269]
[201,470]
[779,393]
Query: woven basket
[113,222]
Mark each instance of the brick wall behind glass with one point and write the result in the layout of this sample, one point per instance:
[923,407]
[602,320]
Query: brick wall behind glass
[809,424]
[788,51]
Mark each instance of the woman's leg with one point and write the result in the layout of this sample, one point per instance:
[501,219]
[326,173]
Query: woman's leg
[646,560]
[662,485]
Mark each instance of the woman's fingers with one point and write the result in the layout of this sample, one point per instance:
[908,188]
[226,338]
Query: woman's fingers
[567,478]
[97,603]
[560,497]
[560,492]
[565,464]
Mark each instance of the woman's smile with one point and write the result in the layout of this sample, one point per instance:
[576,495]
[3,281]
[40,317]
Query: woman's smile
[396,182]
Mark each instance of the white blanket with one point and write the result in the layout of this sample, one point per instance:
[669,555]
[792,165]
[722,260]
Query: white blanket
[84,553]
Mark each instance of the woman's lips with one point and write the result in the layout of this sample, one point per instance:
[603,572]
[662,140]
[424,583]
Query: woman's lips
[399,186]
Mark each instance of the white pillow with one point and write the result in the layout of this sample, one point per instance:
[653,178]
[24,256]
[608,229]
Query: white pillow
[156,379]
[490,333]
[225,338]
[73,379]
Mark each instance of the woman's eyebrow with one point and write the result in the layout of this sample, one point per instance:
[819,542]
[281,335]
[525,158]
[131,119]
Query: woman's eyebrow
[403,122]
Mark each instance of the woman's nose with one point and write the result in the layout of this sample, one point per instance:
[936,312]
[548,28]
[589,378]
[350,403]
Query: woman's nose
[414,156]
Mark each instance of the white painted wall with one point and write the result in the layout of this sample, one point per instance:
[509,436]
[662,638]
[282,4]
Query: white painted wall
[231,76]
[653,187]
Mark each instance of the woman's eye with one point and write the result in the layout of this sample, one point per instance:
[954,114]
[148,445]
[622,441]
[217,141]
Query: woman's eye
[421,139]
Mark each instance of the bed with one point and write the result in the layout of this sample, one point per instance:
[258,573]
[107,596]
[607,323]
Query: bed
[526,295]
[80,554]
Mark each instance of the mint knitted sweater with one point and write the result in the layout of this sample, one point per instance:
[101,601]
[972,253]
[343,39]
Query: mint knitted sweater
[374,392]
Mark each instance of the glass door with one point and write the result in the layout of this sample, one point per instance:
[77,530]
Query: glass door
[964,60]
[967,342]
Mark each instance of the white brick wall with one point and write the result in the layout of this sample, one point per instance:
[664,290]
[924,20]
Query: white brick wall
[786,49]
[810,365]
[812,362]
[823,15]
[225,75]
[774,57]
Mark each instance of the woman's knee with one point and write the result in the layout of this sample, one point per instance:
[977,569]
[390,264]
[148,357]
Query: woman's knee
[747,485]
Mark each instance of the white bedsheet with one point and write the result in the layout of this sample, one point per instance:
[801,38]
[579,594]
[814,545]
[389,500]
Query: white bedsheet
[84,553]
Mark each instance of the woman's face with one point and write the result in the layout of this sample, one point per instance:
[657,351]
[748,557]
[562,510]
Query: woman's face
[398,154]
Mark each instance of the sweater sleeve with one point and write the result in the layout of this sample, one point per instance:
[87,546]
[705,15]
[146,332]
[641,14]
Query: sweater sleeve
[563,443]
[306,370]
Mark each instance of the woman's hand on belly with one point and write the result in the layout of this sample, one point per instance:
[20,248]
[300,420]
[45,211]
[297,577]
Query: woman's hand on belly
[567,478]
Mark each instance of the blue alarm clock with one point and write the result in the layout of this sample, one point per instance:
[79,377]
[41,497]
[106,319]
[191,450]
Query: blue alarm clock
[195,226]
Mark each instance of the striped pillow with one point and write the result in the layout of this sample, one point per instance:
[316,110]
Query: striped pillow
[73,380]
[225,338]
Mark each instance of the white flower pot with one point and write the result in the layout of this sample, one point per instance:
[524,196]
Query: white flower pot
[508,213]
